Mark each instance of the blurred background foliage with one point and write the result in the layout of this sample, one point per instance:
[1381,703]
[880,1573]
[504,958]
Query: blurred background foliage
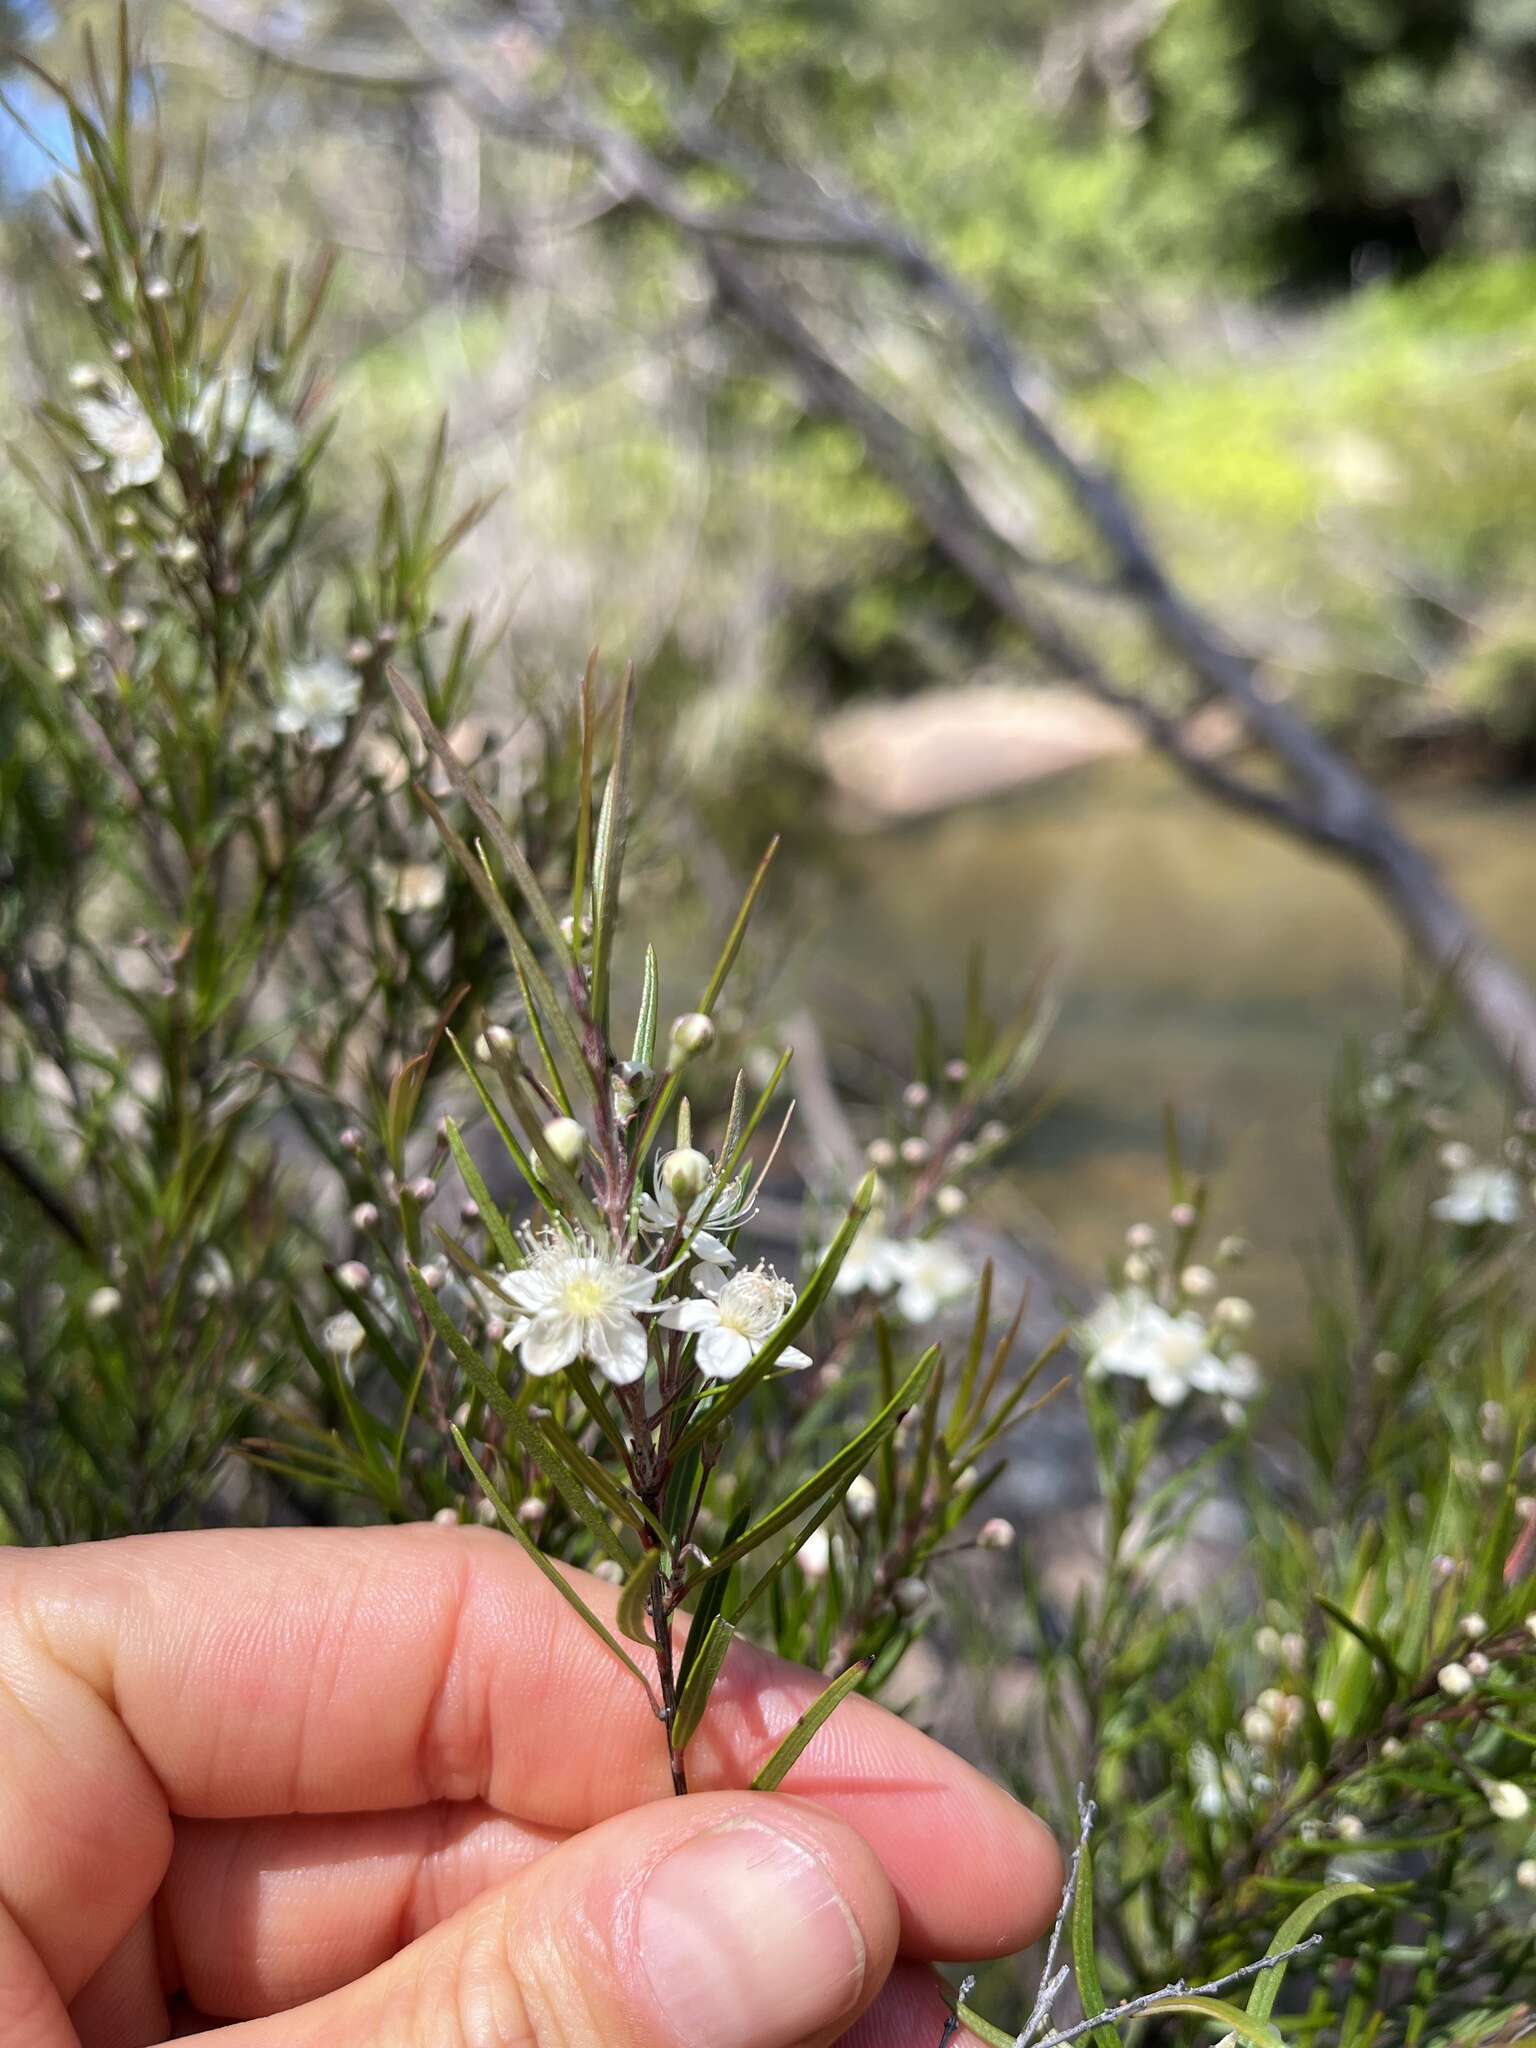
[1279,257]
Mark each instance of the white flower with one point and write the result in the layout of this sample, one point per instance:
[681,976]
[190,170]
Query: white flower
[1455,1680]
[930,1274]
[660,1216]
[343,1334]
[231,412]
[1479,1194]
[734,1317]
[316,698]
[579,1299]
[123,431]
[1130,1335]
[872,1260]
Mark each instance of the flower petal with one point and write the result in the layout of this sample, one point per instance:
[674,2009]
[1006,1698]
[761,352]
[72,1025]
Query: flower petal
[691,1315]
[552,1342]
[616,1345]
[722,1354]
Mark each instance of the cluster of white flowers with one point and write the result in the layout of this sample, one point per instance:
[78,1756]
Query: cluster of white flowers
[1475,1193]
[1173,1352]
[925,1273]
[580,1297]
[315,699]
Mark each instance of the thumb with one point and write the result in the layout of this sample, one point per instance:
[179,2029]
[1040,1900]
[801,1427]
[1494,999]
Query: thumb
[723,1920]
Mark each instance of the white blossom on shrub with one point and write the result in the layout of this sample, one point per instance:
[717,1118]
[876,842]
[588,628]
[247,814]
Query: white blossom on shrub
[316,698]
[116,424]
[579,1299]
[1479,1194]
[733,1319]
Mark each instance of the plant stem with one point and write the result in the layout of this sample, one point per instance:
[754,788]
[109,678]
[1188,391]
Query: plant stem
[661,1622]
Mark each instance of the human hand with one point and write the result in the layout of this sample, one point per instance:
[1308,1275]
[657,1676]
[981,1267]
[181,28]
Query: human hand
[382,1789]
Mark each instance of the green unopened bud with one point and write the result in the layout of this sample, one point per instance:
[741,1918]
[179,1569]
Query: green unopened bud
[692,1033]
[567,1140]
[685,1174]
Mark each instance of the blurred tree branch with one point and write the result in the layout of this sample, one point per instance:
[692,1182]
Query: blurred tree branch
[1306,786]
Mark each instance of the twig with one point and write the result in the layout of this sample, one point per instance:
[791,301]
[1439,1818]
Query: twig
[1050,1986]
[53,1205]
[1130,2007]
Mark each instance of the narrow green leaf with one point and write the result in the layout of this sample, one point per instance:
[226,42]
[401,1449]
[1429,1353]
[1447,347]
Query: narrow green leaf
[1257,2033]
[644,1053]
[608,859]
[497,1227]
[634,1600]
[551,1571]
[832,1475]
[524,1429]
[1084,1960]
[711,1600]
[1298,1925]
[465,785]
[694,1696]
[508,1138]
[797,1741]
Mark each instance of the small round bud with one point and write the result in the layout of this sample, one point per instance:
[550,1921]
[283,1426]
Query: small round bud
[1525,1874]
[881,1154]
[1478,1664]
[495,1329]
[685,1174]
[572,932]
[433,1275]
[566,1139]
[103,1302]
[351,1140]
[1392,1748]
[1233,1250]
[1293,1649]
[962,1155]
[386,636]
[1233,1313]
[637,1077]
[1199,1282]
[423,1189]
[1267,1642]
[861,1501]
[495,1042]
[950,1201]
[692,1033]
[910,1597]
[1442,1569]
[996,1534]
[469,1212]
[1137,1270]
[1473,1625]
[1507,1801]
[485,1511]
[814,1557]
[157,289]
[957,1071]
[1456,1157]
[916,1151]
[915,1095]
[1327,1712]
[91,292]
[993,1134]
[1141,1237]
[531,1512]
[1183,1216]
[1258,1728]
[359,652]
[1349,1827]
[609,1571]
[122,351]
[354,1275]
[447,1518]
[1454,1680]
[365,1216]
[1490,1473]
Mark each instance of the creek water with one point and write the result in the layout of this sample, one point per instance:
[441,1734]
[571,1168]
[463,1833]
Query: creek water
[1199,960]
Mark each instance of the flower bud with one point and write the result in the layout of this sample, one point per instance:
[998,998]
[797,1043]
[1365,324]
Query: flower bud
[1233,1313]
[1507,1801]
[567,1140]
[1349,1827]
[957,1071]
[531,1512]
[916,1151]
[351,1140]
[1455,1680]
[1478,1664]
[353,1274]
[685,1174]
[1473,1625]
[104,1302]
[343,1335]
[485,1511]
[1198,1281]
[881,1154]
[571,932]
[433,1275]
[997,1534]
[910,1597]
[1183,1216]
[1267,1643]
[993,1133]
[422,1189]
[495,1042]
[1525,1874]
[915,1095]
[692,1033]
[814,1556]
[1141,1237]
[447,1518]
[365,1216]
[861,1500]
[610,1572]
[950,1201]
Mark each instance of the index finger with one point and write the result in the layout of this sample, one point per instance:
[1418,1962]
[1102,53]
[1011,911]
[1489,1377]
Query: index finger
[329,1671]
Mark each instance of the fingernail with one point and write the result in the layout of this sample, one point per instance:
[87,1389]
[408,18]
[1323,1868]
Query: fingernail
[747,1942]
